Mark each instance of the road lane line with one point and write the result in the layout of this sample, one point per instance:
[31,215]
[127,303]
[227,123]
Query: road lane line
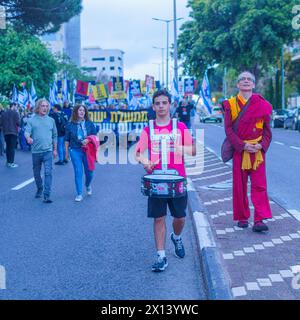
[22,185]
[296,148]
[280,143]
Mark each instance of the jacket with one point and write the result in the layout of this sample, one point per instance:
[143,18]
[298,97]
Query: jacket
[71,133]
[10,122]
[91,150]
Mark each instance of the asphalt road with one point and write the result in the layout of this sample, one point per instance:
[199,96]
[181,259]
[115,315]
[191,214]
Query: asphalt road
[283,161]
[102,248]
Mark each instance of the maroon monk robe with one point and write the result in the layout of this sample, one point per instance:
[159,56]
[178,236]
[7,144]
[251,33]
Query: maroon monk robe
[258,110]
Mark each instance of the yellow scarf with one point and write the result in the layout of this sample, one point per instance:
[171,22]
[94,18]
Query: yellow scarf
[246,161]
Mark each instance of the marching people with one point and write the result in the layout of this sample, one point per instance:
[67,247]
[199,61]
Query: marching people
[157,207]
[250,141]
[60,122]
[184,111]
[41,134]
[80,132]
[10,123]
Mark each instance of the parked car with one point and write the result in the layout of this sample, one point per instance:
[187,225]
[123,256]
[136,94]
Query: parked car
[278,117]
[292,120]
[215,116]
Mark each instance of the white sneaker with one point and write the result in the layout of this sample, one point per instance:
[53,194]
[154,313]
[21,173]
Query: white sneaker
[89,190]
[14,165]
[79,198]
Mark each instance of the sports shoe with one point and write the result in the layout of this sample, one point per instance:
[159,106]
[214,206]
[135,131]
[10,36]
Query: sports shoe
[243,224]
[47,199]
[12,165]
[79,198]
[259,226]
[59,163]
[39,194]
[160,264]
[89,190]
[179,248]
[66,161]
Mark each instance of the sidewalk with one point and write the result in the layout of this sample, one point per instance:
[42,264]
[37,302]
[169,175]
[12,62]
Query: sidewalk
[254,265]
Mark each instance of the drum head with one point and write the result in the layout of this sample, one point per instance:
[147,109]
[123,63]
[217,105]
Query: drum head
[163,177]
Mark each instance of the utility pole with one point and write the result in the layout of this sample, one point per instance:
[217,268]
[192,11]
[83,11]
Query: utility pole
[282,79]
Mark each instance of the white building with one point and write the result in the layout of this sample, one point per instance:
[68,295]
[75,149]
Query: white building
[102,62]
[67,40]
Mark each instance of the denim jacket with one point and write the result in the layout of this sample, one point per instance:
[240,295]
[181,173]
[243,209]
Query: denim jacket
[72,133]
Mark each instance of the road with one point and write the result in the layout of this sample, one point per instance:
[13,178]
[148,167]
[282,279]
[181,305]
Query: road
[102,248]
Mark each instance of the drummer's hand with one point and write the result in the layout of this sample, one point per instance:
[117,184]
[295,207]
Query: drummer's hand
[149,165]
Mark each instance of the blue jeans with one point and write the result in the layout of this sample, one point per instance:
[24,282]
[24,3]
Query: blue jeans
[61,148]
[79,161]
[37,160]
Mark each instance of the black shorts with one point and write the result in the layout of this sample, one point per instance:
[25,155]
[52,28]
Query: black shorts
[157,207]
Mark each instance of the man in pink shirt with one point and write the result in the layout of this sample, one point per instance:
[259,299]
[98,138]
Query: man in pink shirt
[157,207]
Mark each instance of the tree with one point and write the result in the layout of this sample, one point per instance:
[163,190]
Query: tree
[66,67]
[240,34]
[40,16]
[24,59]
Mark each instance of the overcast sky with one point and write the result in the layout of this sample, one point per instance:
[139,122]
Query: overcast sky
[128,25]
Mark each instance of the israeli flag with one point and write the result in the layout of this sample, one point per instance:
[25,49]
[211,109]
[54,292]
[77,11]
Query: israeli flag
[205,93]
[14,97]
[33,95]
[53,95]
[174,91]
[65,95]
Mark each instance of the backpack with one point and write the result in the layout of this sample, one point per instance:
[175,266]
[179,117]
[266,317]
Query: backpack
[62,122]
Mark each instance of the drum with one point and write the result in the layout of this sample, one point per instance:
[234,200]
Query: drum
[163,186]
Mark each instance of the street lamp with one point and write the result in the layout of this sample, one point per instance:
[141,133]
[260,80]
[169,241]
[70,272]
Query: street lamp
[162,62]
[175,43]
[158,64]
[167,22]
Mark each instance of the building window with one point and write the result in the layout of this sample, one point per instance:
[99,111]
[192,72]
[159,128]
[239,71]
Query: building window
[89,68]
[98,59]
[119,58]
[112,68]
[103,69]
[111,59]
[120,69]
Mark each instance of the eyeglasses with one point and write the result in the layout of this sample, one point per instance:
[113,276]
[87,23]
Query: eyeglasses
[246,78]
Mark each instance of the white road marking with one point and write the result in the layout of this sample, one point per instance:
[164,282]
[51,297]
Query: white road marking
[2,278]
[296,148]
[280,143]
[238,291]
[210,150]
[22,185]
[214,176]
[295,213]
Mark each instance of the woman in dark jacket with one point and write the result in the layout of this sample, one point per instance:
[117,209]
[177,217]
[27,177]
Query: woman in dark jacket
[77,132]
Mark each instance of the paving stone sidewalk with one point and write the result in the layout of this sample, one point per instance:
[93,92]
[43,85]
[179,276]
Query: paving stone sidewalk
[260,265]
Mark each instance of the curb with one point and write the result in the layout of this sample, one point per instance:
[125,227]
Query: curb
[215,277]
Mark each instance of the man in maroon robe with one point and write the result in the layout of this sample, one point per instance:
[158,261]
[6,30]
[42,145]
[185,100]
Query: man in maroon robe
[250,142]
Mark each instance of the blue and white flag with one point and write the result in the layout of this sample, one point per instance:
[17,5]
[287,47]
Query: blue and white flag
[65,94]
[33,95]
[206,93]
[53,94]
[174,91]
[14,97]
[23,97]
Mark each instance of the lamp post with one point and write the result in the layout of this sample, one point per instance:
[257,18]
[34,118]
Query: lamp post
[175,43]
[158,64]
[167,22]
[162,62]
